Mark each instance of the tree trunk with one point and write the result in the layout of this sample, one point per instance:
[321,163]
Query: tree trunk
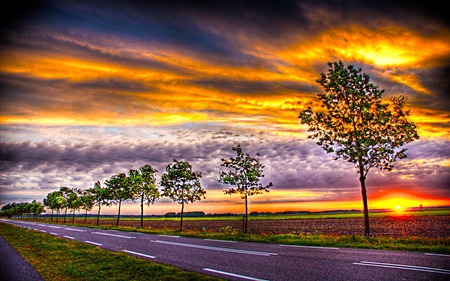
[73,216]
[182,214]
[142,210]
[362,180]
[51,218]
[57,215]
[246,214]
[65,215]
[98,215]
[118,214]
[85,217]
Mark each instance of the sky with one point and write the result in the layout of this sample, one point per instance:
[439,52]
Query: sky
[90,89]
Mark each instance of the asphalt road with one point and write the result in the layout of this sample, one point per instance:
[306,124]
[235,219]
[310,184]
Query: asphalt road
[13,267]
[254,261]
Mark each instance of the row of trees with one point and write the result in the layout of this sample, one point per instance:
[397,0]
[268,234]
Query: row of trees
[23,210]
[178,183]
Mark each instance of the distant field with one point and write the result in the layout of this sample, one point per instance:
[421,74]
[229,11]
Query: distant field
[343,215]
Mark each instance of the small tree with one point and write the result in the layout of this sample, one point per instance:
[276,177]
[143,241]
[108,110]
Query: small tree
[119,190]
[245,175]
[55,201]
[101,197]
[66,192]
[36,209]
[357,126]
[143,186]
[182,185]
[86,201]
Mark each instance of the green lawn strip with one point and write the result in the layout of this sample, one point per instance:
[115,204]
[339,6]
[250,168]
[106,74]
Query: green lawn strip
[62,259]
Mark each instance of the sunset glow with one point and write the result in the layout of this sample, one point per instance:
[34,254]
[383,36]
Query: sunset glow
[92,90]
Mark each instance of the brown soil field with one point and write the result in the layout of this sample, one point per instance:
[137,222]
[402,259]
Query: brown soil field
[393,226]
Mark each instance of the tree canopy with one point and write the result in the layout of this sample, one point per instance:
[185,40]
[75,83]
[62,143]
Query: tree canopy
[357,125]
[245,173]
[182,185]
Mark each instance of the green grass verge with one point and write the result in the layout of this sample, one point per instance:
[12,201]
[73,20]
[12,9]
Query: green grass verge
[412,244]
[61,259]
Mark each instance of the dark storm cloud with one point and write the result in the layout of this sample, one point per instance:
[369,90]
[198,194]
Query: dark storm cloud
[294,165]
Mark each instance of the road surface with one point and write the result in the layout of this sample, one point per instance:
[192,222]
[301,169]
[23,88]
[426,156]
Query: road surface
[256,261]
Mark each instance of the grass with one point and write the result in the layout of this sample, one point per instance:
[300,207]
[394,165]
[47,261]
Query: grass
[63,260]
[412,244]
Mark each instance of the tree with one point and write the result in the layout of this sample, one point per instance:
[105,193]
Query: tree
[245,173]
[143,186]
[86,201]
[101,197]
[36,208]
[55,201]
[66,193]
[182,185]
[73,201]
[357,125]
[119,190]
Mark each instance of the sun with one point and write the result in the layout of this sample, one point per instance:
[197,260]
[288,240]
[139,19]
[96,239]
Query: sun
[398,208]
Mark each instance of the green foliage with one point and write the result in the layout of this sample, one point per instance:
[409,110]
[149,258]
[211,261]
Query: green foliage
[119,191]
[357,126]
[101,196]
[245,173]
[182,185]
[143,187]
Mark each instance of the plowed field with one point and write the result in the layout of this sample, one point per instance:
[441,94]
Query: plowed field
[394,226]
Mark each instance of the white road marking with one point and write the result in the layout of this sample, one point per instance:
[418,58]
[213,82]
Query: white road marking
[52,226]
[114,235]
[441,255]
[404,266]
[73,229]
[140,254]
[237,251]
[70,237]
[225,241]
[312,247]
[43,231]
[172,236]
[90,242]
[233,274]
[54,233]
[35,229]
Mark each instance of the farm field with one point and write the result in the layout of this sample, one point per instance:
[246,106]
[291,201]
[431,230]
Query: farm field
[427,224]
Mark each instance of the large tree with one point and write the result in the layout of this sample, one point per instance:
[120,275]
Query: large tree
[182,185]
[143,187]
[245,173]
[357,125]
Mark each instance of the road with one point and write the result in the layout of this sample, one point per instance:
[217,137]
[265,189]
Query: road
[255,261]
